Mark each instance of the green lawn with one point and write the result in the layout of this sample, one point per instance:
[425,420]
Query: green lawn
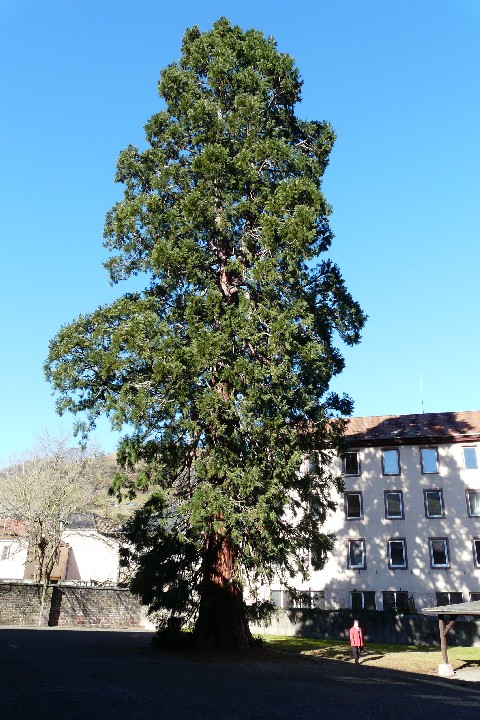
[402,657]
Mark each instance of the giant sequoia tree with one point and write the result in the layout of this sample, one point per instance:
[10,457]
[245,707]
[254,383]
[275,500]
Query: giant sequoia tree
[222,364]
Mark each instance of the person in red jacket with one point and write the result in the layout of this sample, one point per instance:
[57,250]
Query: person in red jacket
[356,640]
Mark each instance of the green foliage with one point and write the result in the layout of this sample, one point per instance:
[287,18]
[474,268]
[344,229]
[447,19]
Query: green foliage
[222,364]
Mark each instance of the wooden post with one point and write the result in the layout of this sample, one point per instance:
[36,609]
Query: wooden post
[443,640]
[445,669]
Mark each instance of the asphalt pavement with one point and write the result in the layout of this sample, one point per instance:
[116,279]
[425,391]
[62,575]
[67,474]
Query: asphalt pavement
[103,675]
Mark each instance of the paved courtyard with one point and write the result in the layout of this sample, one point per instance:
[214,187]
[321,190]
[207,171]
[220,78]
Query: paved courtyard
[94,675]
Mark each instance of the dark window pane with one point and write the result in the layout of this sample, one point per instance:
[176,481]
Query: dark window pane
[393,600]
[369,600]
[354,505]
[476,552]
[351,464]
[356,553]
[397,553]
[448,598]
[433,499]
[362,600]
[393,502]
[356,600]
[438,552]
[473,503]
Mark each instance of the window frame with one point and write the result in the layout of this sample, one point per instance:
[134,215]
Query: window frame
[344,464]
[422,465]
[403,541]
[468,491]
[402,509]
[361,594]
[442,566]
[345,501]
[364,554]
[397,594]
[391,450]
[310,599]
[470,447]
[449,594]
[476,551]
[442,504]
[303,599]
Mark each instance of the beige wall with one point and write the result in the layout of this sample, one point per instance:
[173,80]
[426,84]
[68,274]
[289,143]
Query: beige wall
[93,557]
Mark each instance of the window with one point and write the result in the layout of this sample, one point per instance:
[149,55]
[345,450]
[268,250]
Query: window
[448,598]
[473,503]
[476,552]
[474,596]
[439,557]
[397,553]
[310,599]
[362,600]
[353,505]
[391,463]
[281,599]
[5,551]
[429,460]
[356,554]
[394,505]
[395,600]
[302,599]
[470,457]
[276,598]
[351,463]
[434,503]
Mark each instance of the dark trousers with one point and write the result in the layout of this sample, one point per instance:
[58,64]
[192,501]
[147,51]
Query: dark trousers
[356,653]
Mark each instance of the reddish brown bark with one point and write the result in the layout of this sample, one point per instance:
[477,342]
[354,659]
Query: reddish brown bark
[221,621]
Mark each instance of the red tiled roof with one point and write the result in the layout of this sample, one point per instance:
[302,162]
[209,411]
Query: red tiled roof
[11,528]
[448,426]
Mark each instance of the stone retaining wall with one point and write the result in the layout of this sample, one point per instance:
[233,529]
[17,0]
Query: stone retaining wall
[68,606]
[20,604]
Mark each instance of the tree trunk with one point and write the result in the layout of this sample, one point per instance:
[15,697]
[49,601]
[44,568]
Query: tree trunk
[221,621]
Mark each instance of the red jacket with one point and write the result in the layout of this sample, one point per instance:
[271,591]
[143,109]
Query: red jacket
[356,637]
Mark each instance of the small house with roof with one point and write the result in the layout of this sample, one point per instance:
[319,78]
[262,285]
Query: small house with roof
[88,552]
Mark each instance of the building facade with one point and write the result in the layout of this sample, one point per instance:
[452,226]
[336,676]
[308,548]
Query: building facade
[407,523]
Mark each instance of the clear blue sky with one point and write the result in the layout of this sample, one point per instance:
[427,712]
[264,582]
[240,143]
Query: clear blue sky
[399,81]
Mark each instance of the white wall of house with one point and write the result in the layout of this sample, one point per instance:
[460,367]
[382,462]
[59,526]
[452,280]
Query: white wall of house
[414,531]
[13,556]
[93,557]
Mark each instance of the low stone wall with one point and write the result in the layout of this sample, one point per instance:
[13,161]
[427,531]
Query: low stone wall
[378,627]
[68,606]
[20,604]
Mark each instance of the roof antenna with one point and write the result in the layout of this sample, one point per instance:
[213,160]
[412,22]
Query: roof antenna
[421,392]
